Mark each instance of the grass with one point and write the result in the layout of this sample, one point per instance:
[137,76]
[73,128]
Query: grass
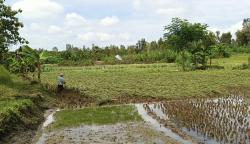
[150,80]
[95,115]
[19,108]
[235,60]
[4,75]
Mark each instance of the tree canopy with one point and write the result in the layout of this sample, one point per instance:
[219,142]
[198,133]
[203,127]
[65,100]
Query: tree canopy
[9,29]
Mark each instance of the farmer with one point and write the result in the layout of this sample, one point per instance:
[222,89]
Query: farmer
[60,83]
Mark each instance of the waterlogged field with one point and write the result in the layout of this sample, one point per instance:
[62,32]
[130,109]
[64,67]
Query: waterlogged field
[213,121]
[112,124]
[150,80]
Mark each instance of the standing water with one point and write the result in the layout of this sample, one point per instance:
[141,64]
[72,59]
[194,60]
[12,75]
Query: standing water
[222,120]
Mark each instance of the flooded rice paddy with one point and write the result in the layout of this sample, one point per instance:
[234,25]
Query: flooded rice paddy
[220,120]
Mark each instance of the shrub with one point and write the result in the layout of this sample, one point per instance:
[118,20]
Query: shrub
[184,60]
[170,56]
[221,51]
[5,76]
[109,60]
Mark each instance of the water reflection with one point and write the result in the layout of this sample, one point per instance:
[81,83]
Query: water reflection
[222,120]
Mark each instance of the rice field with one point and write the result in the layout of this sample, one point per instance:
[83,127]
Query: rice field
[150,80]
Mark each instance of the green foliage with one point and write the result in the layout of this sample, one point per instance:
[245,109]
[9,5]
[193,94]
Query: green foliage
[221,51]
[243,36]
[95,115]
[226,38]
[4,75]
[17,112]
[170,56]
[185,57]
[241,49]
[9,29]
[180,33]
[33,58]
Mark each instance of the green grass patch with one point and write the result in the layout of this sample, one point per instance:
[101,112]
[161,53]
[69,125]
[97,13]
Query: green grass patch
[16,114]
[96,115]
[5,76]
[235,60]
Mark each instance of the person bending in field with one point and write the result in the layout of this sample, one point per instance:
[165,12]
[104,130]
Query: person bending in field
[60,83]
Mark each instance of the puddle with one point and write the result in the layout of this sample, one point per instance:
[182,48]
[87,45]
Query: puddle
[50,118]
[222,120]
[49,115]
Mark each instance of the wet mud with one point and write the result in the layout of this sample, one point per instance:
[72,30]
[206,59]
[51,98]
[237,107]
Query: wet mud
[138,132]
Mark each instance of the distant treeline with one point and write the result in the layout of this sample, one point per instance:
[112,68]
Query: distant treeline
[147,52]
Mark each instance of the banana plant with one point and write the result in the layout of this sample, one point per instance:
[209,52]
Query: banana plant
[35,58]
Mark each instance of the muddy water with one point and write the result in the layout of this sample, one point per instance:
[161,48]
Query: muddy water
[210,121]
[156,125]
[222,120]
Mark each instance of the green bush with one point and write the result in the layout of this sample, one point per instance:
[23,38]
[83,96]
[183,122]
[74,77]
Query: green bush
[170,56]
[110,60]
[184,60]
[53,60]
[241,49]
[5,76]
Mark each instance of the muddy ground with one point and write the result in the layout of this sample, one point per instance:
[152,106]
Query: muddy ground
[121,133]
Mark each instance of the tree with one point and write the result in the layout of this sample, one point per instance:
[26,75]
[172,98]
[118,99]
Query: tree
[9,29]
[55,49]
[141,45]
[209,41]
[34,58]
[226,38]
[201,50]
[243,36]
[180,33]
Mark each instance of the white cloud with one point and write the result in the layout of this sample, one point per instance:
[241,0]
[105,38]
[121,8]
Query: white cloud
[233,28]
[136,4]
[54,29]
[87,36]
[124,36]
[109,21]
[103,37]
[49,23]
[36,9]
[35,26]
[74,19]
[170,11]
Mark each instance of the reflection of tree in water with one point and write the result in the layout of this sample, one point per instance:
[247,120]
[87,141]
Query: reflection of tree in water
[226,120]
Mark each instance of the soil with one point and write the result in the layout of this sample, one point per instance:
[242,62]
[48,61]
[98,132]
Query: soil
[132,132]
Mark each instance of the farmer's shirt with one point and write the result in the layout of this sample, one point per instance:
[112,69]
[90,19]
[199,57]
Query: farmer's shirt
[60,80]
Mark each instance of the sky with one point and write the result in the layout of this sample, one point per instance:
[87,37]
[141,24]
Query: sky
[49,23]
